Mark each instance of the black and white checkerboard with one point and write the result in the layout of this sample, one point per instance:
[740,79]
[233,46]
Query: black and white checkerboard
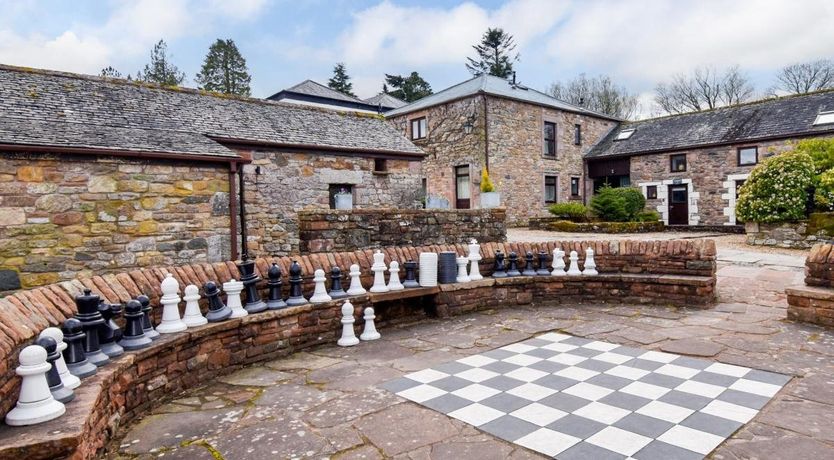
[573,398]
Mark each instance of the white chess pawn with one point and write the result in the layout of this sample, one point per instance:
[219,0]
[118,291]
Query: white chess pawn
[462,277]
[70,381]
[193,317]
[369,332]
[590,267]
[35,404]
[233,289]
[355,281]
[558,263]
[379,272]
[574,264]
[348,338]
[394,283]
[171,321]
[320,294]
[474,258]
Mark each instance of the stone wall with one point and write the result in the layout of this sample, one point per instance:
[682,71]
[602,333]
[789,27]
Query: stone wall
[331,230]
[797,235]
[814,303]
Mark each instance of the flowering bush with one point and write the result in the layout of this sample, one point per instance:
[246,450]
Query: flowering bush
[824,193]
[777,189]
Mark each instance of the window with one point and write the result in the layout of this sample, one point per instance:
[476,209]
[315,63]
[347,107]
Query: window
[651,192]
[677,163]
[550,139]
[624,134]
[748,156]
[418,128]
[380,165]
[333,189]
[574,186]
[824,118]
[577,134]
[550,189]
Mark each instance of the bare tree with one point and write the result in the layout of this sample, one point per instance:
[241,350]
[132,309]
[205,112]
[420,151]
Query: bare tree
[806,77]
[703,89]
[597,93]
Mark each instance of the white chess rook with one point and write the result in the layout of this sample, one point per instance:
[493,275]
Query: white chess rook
[558,263]
[574,264]
[348,338]
[590,266]
[70,381]
[462,277]
[233,289]
[394,283]
[428,269]
[193,317]
[379,272]
[35,404]
[320,294]
[369,332]
[171,321]
[355,281]
[474,258]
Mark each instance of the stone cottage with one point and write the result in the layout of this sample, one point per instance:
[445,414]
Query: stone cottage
[103,174]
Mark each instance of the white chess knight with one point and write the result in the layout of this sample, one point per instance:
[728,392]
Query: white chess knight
[474,258]
[348,338]
[558,263]
[574,264]
[320,294]
[394,283]
[355,281]
[379,272]
[232,289]
[590,267]
[171,320]
[35,404]
[369,332]
[70,381]
[193,317]
[462,277]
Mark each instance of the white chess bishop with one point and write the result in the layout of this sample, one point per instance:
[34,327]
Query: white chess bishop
[35,404]
[355,281]
[193,317]
[348,338]
[171,321]
[70,381]
[474,258]
[320,294]
[394,283]
[379,272]
[558,263]
[574,264]
[233,289]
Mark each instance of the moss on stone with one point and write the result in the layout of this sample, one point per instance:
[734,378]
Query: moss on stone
[821,222]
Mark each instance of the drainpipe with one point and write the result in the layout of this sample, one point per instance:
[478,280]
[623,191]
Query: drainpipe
[233,167]
[244,246]
[486,133]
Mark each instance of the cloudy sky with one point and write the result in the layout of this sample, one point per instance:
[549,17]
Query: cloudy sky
[636,42]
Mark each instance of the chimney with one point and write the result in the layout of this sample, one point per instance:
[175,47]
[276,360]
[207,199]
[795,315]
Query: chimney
[581,101]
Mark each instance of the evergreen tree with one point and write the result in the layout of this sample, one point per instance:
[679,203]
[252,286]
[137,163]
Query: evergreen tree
[341,80]
[110,72]
[494,54]
[224,70]
[408,88]
[161,70]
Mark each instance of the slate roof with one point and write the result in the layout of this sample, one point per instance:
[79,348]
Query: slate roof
[47,108]
[312,88]
[495,86]
[784,117]
[386,101]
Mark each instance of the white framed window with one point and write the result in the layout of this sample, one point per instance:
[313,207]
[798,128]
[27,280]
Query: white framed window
[824,118]
[624,134]
[418,128]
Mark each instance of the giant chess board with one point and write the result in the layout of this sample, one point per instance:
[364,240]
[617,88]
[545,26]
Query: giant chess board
[573,398]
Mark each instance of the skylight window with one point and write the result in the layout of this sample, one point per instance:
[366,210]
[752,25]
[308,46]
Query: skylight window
[624,134]
[824,118]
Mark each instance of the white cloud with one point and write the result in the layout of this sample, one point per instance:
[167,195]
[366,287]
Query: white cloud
[65,52]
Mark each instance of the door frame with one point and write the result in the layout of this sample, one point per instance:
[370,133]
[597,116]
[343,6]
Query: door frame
[462,203]
[685,203]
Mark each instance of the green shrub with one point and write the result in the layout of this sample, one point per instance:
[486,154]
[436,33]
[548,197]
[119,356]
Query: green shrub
[575,212]
[634,199]
[486,183]
[824,193]
[621,204]
[648,216]
[820,150]
[777,189]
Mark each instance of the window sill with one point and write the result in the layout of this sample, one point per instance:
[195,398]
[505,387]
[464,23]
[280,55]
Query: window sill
[550,157]
[381,173]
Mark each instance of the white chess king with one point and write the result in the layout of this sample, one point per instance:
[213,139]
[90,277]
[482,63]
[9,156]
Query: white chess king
[474,259]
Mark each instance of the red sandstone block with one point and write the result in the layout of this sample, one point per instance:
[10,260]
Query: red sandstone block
[233,269]
[222,272]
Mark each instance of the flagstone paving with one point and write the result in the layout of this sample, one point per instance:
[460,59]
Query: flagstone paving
[329,402]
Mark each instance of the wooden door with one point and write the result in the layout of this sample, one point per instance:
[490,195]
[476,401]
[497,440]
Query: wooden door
[462,184]
[678,205]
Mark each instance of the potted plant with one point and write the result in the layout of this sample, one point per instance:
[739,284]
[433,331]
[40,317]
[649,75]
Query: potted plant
[489,197]
[344,199]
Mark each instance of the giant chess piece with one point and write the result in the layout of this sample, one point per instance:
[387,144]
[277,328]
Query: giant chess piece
[463,276]
[250,279]
[558,263]
[35,404]
[369,332]
[134,336]
[336,291]
[500,270]
[474,259]
[107,332]
[91,321]
[275,301]
[574,264]
[410,275]
[320,291]
[233,288]
[296,296]
[171,320]
[147,324]
[218,311]
[513,268]
[348,338]
[394,283]
[428,269]
[70,381]
[355,281]
[379,273]
[529,270]
[543,271]
[77,362]
[590,266]
[56,386]
[193,317]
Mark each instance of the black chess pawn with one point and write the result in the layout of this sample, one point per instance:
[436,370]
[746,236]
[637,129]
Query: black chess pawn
[512,270]
[134,337]
[500,270]
[91,321]
[336,291]
[147,325]
[275,300]
[296,296]
[529,270]
[107,331]
[74,356]
[543,271]
[218,311]
[410,275]
[56,387]
[250,279]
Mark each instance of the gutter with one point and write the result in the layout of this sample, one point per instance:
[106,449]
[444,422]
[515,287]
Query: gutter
[332,150]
